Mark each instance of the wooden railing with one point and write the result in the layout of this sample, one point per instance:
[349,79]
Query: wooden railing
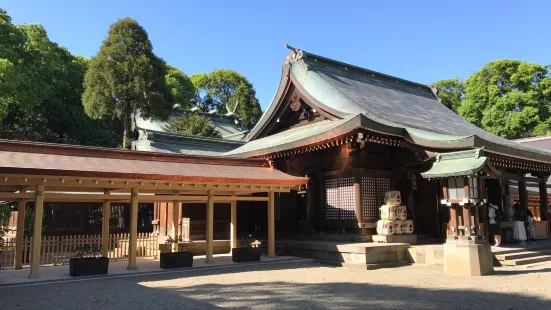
[59,250]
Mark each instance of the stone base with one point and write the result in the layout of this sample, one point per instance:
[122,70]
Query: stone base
[411,239]
[364,255]
[468,258]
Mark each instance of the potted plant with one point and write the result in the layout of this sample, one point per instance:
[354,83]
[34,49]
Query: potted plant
[87,261]
[167,246]
[179,259]
[247,250]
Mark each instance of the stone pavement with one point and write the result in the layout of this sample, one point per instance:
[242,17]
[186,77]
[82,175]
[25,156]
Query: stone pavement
[116,268]
[298,284]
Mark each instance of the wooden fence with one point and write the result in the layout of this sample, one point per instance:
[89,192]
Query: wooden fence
[58,250]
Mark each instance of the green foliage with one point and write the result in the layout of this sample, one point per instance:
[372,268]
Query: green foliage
[247,242]
[40,90]
[125,76]
[192,124]
[181,88]
[508,98]
[223,89]
[87,251]
[450,92]
[20,66]
[5,214]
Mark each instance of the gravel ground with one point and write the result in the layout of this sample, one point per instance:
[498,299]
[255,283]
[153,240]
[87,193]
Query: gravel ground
[294,285]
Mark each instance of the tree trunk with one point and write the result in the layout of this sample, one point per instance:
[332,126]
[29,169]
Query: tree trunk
[125,130]
[128,132]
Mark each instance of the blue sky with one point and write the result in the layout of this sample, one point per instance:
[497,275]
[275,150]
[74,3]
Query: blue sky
[423,41]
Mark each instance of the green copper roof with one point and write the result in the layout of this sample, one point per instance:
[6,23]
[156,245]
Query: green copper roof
[389,104]
[463,163]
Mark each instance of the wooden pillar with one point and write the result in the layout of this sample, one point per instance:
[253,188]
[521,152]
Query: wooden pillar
[175,224]
[37,231]
[210,228]
[271,225]
[233,225]
[467,223]
[357,197]
[543,199]
[133,239]
[523,196]
[19,235]
[105,228]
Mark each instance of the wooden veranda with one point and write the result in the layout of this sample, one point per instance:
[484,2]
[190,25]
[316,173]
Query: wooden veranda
[42,172]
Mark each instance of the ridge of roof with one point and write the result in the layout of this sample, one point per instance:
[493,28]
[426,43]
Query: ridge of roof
[179,136]
[532,139]
[298,54]
[103,152]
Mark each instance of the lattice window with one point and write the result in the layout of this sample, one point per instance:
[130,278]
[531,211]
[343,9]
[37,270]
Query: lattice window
[339,199]
[373,190]
[277,206]
[331,199]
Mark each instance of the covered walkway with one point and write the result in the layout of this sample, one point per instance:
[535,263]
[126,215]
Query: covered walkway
[42,172]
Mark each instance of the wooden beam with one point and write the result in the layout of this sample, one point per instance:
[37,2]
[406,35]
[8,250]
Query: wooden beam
[271,225]
[510,176]
[523,195]
[16,196]
[105,227]
[544,203]
[63,183]
[19,235]
[175,224]
[233,224]
[210,228]
[37,231]
[133,239]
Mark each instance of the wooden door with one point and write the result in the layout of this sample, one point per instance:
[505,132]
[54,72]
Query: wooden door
[424,198]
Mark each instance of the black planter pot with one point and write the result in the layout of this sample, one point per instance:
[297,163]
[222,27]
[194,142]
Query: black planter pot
[88,266]
[240,255]
[176,260]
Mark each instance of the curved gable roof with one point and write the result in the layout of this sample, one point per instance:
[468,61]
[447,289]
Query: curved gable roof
[345,91]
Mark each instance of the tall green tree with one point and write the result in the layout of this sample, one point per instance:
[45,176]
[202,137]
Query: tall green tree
[223,89]
[20,67]
[509,98]
[181,88]
[192,124]
[126,76]
[450,92]
[42,99]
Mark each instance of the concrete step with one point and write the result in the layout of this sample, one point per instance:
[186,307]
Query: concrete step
[520,255]
[504,250]
[365,266]
[535,265]
[527,261]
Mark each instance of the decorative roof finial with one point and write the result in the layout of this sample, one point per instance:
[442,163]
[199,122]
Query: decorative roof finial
[294,55]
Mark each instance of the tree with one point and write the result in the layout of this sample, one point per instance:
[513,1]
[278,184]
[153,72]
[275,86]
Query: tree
[192,124]
[509,98]
[20,81]
[223,89]
[45,104]
[125,76]
[450,92]
[181,88]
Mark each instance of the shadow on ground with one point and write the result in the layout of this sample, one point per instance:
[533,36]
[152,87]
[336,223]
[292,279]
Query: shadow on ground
[138,293]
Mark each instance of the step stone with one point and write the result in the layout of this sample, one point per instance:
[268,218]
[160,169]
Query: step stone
[520,255]
[527,261]
[365,266]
